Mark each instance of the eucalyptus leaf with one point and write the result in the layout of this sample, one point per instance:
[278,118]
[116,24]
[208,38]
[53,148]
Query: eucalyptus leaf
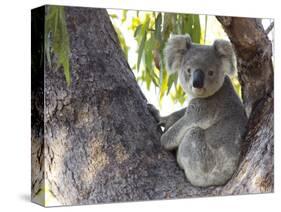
[171,80]
[124,15]
[158,24]
[196,31]
[138,30]
[140,50]
[122,41]
[56,27]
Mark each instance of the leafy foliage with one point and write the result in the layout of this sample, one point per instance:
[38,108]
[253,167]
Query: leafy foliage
[151,31]
[120,36]
[236,86]
[57,40]
[122,41]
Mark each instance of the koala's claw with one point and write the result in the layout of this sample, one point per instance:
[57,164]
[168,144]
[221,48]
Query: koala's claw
[163,122]
[154,112]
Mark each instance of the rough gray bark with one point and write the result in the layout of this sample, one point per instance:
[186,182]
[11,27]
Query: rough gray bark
[254,52]
[255,72]
[101,144]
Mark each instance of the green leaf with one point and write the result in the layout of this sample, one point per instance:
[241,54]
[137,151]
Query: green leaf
[113,16]
[171,80]
[174,23]
[143,35]
[140,50]
[191,25]
[162,68]
[187,24]
[236,85]
[151,34]
[122,41]
[167,26]
[138,30]
[206,26]
[196,31]
[158,24]
[124,15]
[147,80]
[176,82]
[56,25]
[184,23]
[180,24]
[148,59]
[179,95]
[164,85]
[155,82]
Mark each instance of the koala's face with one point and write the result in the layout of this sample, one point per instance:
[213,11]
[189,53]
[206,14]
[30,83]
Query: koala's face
[201,68]
[202,71]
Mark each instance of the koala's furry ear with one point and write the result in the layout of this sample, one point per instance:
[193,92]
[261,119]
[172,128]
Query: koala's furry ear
[224,49]
[174,51]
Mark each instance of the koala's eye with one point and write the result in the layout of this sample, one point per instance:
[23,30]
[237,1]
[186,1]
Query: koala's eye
[188,70]
[210,73]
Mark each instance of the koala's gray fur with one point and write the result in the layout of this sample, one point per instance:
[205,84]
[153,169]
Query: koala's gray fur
[207,134]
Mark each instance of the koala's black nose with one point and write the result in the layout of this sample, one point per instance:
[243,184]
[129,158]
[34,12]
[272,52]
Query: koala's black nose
[198,78]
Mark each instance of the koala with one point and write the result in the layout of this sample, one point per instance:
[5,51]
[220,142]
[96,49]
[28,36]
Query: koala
[207,134]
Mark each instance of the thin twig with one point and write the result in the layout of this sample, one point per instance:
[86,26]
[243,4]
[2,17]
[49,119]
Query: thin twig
[270,27]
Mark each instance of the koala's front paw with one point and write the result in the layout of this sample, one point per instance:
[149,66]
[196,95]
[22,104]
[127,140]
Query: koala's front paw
[165,140]
[169,140]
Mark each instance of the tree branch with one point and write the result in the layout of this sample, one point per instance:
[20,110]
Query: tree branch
[254,51]
[255,72]
[269,28]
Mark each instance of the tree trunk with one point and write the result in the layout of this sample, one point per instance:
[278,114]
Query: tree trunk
[101,144]
[254,52]
[255,72]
